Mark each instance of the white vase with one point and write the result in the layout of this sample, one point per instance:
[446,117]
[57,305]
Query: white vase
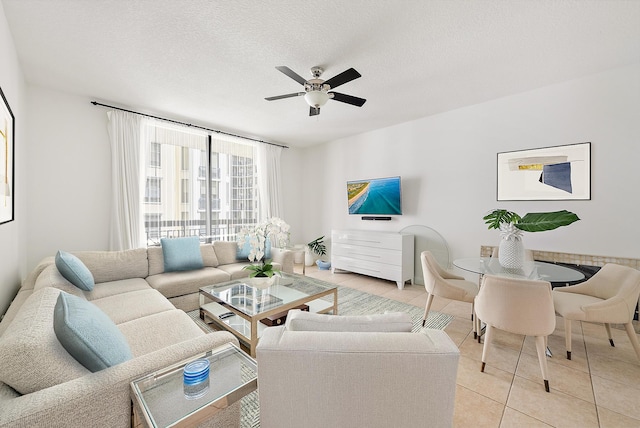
[309,257]
[511,252]
[261,281]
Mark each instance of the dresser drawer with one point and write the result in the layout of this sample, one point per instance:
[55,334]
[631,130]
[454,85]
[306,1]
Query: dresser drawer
[377,255]
[365,267]
[368,239]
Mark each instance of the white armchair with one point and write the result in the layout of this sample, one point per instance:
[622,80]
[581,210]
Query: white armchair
[355,371]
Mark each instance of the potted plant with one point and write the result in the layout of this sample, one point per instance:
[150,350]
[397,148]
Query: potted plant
[264,269]
[511,225]
[274,230]
[316,246]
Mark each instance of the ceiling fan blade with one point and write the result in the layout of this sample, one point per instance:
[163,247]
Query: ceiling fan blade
[289,72]
[342,78]
[279,97]
[314,111]
[349,99]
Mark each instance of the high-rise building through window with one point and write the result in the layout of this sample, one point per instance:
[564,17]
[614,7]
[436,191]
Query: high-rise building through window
[198,185]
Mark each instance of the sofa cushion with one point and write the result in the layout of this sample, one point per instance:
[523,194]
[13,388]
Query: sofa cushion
[112,288]
[31,357]
[237,270]
[88,334]
[14,307]
[30,281]
[51,277]
[115,265]
[173,284]
[74,270]
[135,304]
[389,322]
[157,331]
[156,258]
[180,254]
[226,252]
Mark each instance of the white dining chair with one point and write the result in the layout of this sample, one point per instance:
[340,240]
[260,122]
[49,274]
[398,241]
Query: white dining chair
[442,283]
[517,306]
[608,297]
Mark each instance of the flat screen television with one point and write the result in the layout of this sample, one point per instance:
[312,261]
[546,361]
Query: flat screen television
[378,196]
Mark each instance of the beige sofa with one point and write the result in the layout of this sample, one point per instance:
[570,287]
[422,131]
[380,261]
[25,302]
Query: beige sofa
[355,371]
[41,384]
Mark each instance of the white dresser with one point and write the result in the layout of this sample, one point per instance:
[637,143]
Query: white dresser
[384,255]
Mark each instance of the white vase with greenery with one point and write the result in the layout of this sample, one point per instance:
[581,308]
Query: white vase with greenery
[511,225]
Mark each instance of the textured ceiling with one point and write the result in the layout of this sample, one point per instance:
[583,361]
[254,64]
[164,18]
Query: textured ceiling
[213,62]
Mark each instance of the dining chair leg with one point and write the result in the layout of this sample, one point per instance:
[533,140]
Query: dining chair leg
[488,333]
[542,358]
[633,337]
[473,320]
[567,336]
[427,308]
[607,327]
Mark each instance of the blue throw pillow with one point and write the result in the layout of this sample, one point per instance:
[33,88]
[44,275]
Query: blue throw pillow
[74,271]
[245,249]
[88,334]
[181,254]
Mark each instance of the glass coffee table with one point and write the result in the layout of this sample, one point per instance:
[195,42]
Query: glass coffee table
[238,306]
[162,399]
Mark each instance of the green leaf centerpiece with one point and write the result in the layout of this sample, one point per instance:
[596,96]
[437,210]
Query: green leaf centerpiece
[531,222]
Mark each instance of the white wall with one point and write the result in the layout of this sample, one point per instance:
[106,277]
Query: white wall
[12,249]
[294,191]
[448,167]
[69,175]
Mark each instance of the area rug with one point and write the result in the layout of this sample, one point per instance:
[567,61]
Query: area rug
[350,302]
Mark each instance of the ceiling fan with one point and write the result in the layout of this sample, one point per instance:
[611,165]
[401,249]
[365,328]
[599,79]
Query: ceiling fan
[317,91]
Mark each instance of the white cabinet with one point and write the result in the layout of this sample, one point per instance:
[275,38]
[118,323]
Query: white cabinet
[379,254]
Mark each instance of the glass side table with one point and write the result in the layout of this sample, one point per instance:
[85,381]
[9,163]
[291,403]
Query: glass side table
[161,399]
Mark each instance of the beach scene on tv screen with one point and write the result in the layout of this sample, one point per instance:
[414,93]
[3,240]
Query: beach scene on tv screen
[380,196]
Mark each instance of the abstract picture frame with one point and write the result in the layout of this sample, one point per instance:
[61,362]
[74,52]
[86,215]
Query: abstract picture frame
[7,161]
[553,173]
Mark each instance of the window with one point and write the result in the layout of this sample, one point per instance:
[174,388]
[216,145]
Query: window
[185,158]
[152,190]
[180,201]
[185,191]
[154,155]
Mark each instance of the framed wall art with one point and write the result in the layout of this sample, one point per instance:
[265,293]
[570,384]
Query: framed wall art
[7,161]
[549,173]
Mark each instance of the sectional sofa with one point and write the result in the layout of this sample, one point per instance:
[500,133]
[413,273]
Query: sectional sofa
[42,384]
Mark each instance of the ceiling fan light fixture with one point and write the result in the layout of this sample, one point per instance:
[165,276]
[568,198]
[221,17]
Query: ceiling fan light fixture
[317,91]
[316,98]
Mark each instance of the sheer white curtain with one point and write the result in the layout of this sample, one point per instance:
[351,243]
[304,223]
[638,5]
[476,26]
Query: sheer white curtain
[270,183]
[175,181]
[125,134]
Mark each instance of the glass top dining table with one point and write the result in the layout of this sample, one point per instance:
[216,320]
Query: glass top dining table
[530,270]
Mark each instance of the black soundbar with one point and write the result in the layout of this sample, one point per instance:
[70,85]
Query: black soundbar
[375,218]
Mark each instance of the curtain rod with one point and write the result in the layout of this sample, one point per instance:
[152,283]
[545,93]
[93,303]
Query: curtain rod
[95,103]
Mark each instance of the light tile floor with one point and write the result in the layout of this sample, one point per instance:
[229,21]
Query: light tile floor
[599,387]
